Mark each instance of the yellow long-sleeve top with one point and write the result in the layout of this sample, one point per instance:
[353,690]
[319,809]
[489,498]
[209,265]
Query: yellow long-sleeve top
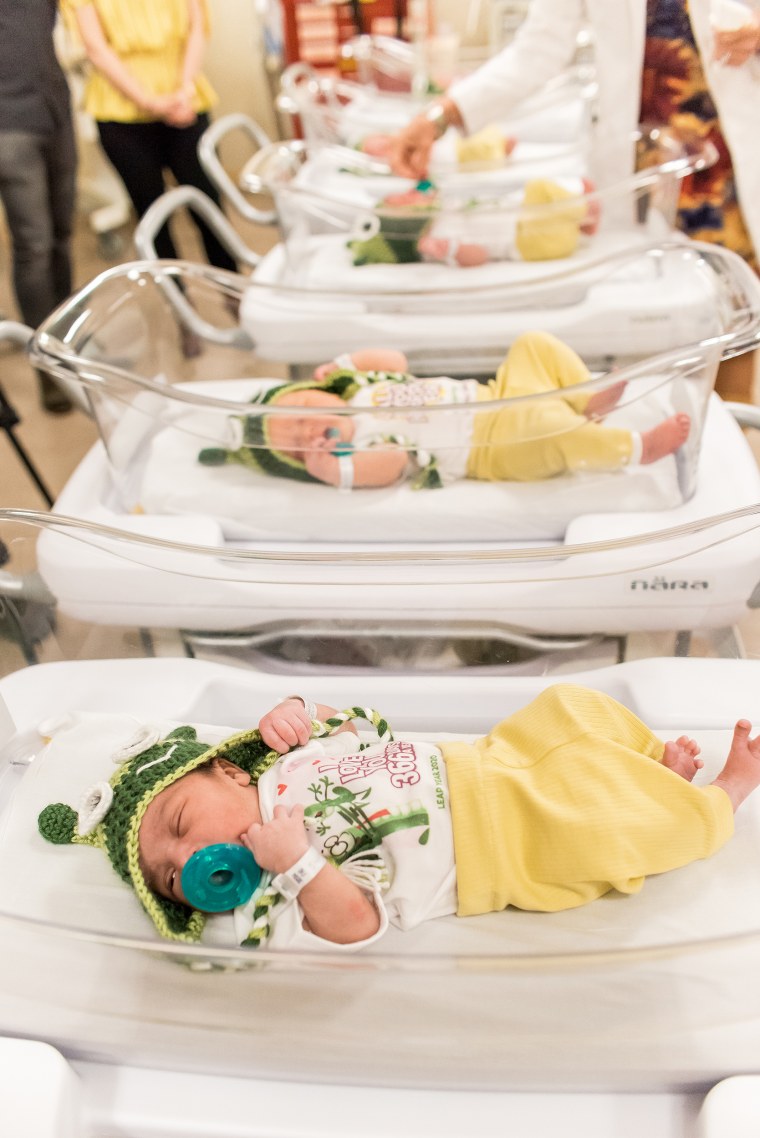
[150,39]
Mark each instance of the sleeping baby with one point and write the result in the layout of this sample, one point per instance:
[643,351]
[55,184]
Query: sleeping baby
[545,220]
[431,432]
[567,799]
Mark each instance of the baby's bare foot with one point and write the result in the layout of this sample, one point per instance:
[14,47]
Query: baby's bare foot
[680,756]
[603,401]
[741,773]
[594,209]
[665,438]
[441,249]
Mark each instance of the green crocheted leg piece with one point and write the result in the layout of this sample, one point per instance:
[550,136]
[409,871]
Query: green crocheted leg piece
[214,456]
[374,251]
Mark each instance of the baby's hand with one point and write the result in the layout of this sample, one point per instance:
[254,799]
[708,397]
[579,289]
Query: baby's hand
[286,726]
[321,373]
[321,463]
[278,845]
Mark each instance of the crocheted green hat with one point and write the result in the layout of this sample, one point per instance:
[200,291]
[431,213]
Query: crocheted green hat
[111,812]
[391,234]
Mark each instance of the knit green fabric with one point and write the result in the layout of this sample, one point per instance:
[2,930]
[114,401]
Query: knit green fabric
[138,781]
[396,241]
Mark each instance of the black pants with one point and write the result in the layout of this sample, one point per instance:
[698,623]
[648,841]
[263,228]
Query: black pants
[141,152]
[38,189]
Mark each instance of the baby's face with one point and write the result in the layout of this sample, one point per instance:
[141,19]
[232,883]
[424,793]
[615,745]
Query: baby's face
[299,434]
[199,809]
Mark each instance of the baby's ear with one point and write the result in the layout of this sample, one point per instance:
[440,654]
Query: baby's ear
[232,770]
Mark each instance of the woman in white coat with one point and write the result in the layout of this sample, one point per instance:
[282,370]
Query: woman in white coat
[723,64]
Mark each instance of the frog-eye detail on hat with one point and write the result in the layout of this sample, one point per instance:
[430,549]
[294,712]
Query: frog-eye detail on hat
[94,806]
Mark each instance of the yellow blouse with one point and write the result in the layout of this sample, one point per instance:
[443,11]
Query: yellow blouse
[149,36]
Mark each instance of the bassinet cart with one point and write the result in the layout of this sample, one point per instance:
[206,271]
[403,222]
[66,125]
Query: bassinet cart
[500,555]
[606,1020]
[434,311]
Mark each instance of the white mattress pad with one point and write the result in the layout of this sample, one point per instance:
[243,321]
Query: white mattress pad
[325,263]
[165,477]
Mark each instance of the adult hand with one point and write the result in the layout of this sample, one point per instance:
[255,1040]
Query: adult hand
[182,112]
[410,149]
[735,48]
[160,106]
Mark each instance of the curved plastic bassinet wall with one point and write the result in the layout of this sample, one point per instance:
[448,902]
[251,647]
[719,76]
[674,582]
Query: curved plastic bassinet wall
[653,991]
[521,211]
[451,461]
[332,111]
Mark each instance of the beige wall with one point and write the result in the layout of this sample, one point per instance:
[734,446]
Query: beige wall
[469,19]
[235,65]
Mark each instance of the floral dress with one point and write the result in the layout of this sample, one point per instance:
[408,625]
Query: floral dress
[674,91]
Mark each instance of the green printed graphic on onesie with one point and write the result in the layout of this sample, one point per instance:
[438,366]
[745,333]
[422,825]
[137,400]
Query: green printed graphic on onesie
[365,829]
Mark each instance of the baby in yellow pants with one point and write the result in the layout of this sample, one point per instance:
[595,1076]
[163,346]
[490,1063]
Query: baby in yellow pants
[567,799]
[527,439]
[545,221]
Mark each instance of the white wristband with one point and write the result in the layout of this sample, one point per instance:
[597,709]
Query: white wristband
[346,472]
[311,708]
[291,882]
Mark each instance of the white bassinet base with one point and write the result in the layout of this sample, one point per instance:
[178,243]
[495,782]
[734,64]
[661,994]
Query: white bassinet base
[655,587]
[654,992]
[448,318]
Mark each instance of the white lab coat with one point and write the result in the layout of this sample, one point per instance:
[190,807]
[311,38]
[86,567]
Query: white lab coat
[545,45]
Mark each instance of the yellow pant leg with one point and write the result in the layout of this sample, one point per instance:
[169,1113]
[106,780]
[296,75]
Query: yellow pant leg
[486,148]
[541,438]
[566,800]
[538,362]
[547,230]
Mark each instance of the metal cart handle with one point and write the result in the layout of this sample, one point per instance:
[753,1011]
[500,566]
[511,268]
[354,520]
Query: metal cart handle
[151,224]
[746,414]
[208,153]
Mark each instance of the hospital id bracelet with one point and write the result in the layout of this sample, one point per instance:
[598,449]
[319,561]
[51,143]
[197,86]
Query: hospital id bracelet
[345,470]
[437,115]
[311,708]
[291,882]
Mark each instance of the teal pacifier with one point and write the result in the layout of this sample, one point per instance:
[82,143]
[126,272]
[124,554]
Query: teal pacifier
[220,877]
[340,447]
